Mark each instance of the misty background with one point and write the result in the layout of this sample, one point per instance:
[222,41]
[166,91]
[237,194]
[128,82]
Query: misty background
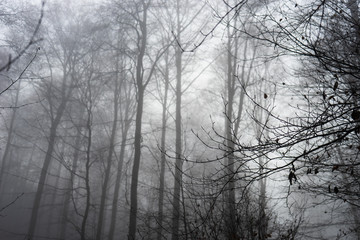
[184,119]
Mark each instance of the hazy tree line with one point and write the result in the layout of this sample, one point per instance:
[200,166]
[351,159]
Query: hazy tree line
[155,119]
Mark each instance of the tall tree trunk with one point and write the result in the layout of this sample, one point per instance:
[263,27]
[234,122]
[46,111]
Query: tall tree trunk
[263,223]
[40,188]
[138,123]
[87,172]
[70,183]
[141,84]
[178,142]
[163,153]
[53,197]
[126,120]
[126,117]
[136,165]
[230,190]
[9,137]
[118,181]
[109,160]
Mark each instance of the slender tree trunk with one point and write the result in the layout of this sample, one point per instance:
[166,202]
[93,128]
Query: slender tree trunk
[163,153]
[230,190]
[262,227]
[53,197]
[244,81]
[136,165]
[70,184]
[185,222]
[261,134]
[108,161]
[40,188]
[87,172]
[9,137]
[178,143]
[89,109]
[125,128]
[263,223]
[138,124]
[118,181]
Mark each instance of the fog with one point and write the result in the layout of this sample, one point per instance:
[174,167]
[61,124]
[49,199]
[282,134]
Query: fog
[154,119]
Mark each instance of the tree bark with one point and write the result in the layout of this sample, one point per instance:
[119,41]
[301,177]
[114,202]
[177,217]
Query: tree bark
[163,151]
[40,188]
[138,124]
[53,197]
[230,127]
[87,170]
[136,165]
[126,120]
[9,137]
[118,181]
[70,184]
[178,142]
[108,161]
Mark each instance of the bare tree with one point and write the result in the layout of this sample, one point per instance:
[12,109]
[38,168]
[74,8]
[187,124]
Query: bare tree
[178,127]
[57,93]
[109,160]
[65,216]
[323,35]
[5,64]
[141,85]
[140,18]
